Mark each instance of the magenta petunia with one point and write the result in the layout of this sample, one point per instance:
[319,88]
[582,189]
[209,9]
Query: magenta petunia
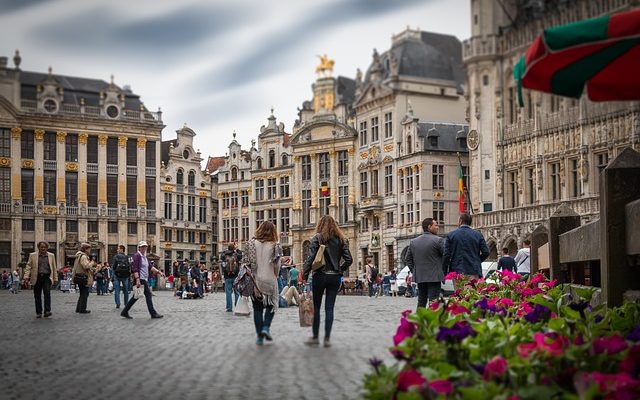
[611,344]
[506,302]
[405,330]
[455,309]
[495,368]
[452,276]
[441,386]
[407,379]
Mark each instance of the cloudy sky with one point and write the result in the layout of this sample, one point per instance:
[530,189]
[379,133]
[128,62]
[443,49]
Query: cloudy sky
[217,66]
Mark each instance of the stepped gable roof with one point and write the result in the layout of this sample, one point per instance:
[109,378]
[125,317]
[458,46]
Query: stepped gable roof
[75,88]
[448,135]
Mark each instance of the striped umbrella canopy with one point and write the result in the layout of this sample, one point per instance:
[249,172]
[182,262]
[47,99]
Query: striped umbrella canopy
[602,54]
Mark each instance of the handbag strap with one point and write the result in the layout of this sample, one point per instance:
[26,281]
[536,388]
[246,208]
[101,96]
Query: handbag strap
[255,285]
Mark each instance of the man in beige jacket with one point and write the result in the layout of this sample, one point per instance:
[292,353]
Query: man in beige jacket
[41,270]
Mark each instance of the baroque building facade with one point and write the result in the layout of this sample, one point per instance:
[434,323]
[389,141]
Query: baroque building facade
[79,162]
[411,91]
[186,195]
[525,161]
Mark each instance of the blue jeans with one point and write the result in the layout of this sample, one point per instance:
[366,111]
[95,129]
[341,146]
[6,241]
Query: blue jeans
[386,288]
[125,289]
[262,316]
[228,288]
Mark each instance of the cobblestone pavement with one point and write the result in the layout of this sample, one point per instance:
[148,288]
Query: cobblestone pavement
[198,351]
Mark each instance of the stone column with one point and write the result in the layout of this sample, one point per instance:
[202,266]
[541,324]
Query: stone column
[102,174]
[563,220]
[16,195]
[82,187]
[141,196]
[619,185]
[333,184]
[61,137]
[122,176]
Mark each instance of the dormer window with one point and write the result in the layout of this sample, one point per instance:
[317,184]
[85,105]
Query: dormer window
[113,111]
[285,160]
[259,163]
[272,159]
[185,154]
[234,174]
[409,145]
[180,177]
[463,142]
[433,141]
[192,178]
[50,106]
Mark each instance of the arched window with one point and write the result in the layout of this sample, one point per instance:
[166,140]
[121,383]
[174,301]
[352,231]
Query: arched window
[192,178]
[285,159]
[234,174]
[259,163]
[409,145]
[272,159]
[180,177]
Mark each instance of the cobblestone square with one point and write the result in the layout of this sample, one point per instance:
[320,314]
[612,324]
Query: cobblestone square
[198,351]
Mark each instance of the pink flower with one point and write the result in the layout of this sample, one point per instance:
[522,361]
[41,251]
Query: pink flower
[407,379]
[524,308]
[452,276]
[405,330]
[455,309]
[495,368]
[528,292]
[434,306]
[441,386]
[619,385]
[537,278]
[506,302]
[549,343]
[631,362]
[612,344]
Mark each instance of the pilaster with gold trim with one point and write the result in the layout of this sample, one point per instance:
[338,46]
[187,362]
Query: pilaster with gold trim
[102,170]
[38,154]
[82,172]
[122,171]
[16,185]
[61,137]
[142,176]
[314,181]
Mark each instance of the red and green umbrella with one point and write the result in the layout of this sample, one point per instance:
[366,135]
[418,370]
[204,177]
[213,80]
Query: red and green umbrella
[602,54]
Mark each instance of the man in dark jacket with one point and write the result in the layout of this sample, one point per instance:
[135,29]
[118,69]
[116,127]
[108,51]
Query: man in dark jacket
[424,259]
[122,273]
[465,249]
[230,266]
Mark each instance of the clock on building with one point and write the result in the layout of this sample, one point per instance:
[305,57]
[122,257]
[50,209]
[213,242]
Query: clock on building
[472,140]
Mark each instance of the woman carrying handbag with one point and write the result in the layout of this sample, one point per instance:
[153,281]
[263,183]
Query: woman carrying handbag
[83,270]
[263,258]
[326,250]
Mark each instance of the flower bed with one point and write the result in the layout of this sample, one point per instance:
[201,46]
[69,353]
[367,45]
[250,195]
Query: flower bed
[510,339]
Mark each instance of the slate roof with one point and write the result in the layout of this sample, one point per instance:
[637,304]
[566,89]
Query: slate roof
[346,90]
[75,88]
[164,149]
[448,135]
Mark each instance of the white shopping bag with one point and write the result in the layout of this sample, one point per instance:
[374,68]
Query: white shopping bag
[242,307]
[138,292]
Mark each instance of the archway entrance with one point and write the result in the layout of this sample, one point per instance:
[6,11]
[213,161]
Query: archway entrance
[493,251]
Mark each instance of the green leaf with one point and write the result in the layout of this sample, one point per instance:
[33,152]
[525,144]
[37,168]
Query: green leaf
[584,292]
[536,392]
[474,393]
[557,324]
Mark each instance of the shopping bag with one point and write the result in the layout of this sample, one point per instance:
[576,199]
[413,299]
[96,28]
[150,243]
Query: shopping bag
[305,309]
[242,307]
[138,292]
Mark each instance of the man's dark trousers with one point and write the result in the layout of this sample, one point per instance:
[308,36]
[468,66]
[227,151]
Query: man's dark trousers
[42,286]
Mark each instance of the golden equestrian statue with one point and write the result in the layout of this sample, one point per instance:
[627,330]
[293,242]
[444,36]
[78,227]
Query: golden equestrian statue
[326,66]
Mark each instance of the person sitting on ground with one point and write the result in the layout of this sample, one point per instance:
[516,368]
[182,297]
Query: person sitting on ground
[290,295]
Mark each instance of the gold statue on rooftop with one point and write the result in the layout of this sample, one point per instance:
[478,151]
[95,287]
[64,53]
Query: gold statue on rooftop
[325,68]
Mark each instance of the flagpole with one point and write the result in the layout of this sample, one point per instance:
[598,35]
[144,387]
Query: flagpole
[464,186]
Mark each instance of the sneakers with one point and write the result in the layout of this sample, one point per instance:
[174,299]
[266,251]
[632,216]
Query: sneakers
[85,312]
[265,334]
[312,341]
[117,305]
[47,314]
[38,315]
[260,341]
[126,315]
[157,316]
[327,342]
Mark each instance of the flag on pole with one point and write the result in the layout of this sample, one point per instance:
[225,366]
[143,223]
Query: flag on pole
[460,190]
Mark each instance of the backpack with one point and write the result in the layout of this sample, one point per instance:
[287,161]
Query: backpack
[121,269]
[231,264]
[374,272]
[245,283]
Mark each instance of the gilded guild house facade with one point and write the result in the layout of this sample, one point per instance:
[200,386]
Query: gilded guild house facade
[323,144]
[525,161]
[79,162]
[271,174]
[186,196]
[415,86]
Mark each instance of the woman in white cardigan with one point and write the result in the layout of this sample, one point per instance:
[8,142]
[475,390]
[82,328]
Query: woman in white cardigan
[263,257]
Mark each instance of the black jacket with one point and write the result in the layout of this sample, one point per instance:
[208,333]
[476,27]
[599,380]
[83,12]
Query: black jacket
[334,251]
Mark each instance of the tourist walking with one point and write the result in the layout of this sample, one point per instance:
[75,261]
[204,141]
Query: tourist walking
[230,267]
[371,273]
[293,276]
[122,274]
[84,268]
[262,255]
[142,269]
[523,259]
[465,249]
[424,259]
[15,281]
[326,280]
[41,270]
[506,262]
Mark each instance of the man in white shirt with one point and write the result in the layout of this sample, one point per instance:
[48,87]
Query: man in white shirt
[523,259]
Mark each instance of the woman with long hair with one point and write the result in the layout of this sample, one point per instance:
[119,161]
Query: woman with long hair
[326,280]
[263,257]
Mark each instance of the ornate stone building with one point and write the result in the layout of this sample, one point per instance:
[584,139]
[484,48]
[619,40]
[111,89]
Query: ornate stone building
[186,197]
[213,165]
[271,173]
[323,145]
[420,78]
[78,163]
[235,220]
[525,161]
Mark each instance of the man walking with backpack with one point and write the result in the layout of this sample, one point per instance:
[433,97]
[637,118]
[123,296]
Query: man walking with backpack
[230,267]
[372,274]
[122,272]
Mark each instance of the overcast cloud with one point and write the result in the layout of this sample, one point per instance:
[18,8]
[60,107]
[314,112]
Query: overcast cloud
[217,66]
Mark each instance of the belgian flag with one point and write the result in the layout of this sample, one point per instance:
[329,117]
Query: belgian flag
[460,190]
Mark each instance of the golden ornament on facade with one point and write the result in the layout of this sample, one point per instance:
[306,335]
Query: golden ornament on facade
[51,210]
[325,66]
[414,168]
[203,193]
[16,132]
[168,244]
[350,151]
[332,153]
[437,195]
[168,188]
[102,139]
[83,138]
[122,141]
[61,135]
[27,164]
[364,155]
[38,134]
[219,194]
[71,166]
[203,247]
[5,162]
[142,142]
[388,147]
[400,171]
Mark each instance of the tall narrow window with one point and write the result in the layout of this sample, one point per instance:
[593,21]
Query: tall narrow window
[245,198]
[409,144]
[132,191]
[71,188]
[150,192]
[388,180]
[409,174]
[150,154]
[26,144]
[343,163]
[191,179]
[92,149]
[179,207]
[259,187]
[5,185]
[272,216]
[132,152]
[272,159]
[324,202]
[234,174]
[363,133]
[49,145]
[272,189]
[203,210]
[5,142]
[374,182]
[168,206]
[438,177]
[234,199]
[375,129]
[324,166]
[575,178]
[112,193]
[555,181]
[180,177]
[191,208]
[602,160]
[259,218]
[512,179]
[284,187]
[245,229]
[531,188]
[112,151]
[388,127]
[49,188]
[27,186]
[438,212]
[284,220]
[306,167]
[364,188]
[306,207]
[343,204]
